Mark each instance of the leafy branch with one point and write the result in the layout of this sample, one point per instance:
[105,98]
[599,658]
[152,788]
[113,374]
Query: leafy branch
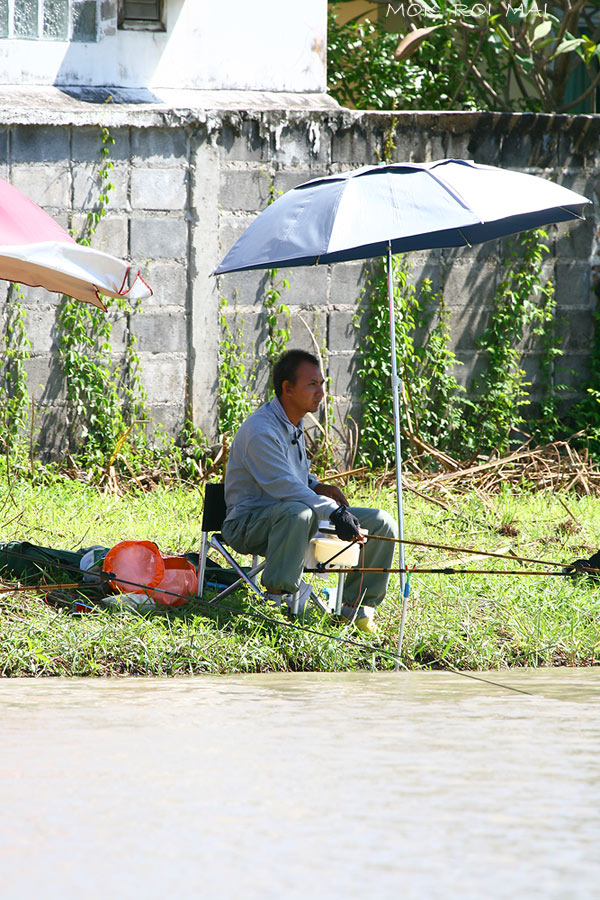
[456,55]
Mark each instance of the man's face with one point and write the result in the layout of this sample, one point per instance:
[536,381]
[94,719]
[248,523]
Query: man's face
[306,393]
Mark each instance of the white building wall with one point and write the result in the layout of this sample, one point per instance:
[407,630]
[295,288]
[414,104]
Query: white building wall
[265,45]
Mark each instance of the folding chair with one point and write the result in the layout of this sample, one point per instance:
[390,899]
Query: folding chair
[213,517]
[212,521]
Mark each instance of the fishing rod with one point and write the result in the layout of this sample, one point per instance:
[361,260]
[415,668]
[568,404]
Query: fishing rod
[10,589]
[323,567]
[253,612]
[513,558]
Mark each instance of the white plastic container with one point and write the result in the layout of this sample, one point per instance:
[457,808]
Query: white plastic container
[323,546]
[326,547]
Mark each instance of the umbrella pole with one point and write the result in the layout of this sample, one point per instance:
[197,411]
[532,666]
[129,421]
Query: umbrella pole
[396,386]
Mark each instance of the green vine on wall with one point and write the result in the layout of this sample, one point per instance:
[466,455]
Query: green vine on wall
[523,308]
[278,313]
[278,317]
[14,395]
[585,415]
[436,408]
[236,399]
[432,397]
[104,397]
[105,186]
[440,399]
[237,394]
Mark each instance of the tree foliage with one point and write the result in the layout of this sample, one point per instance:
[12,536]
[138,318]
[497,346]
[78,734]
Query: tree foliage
[503,56]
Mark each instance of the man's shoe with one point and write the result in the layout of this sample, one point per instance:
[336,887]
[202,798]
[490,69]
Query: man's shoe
[367,625]
[274,599]
[361,617]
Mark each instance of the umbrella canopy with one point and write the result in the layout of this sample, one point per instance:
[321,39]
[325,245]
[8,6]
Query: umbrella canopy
[416,206]
[35,250]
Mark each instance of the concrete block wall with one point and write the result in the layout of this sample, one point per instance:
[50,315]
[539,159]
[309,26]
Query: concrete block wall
[561,148]
[187,184]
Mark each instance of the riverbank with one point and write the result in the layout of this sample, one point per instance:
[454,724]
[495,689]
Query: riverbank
[464,621]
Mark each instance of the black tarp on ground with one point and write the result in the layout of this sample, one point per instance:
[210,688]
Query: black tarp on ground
[28,562]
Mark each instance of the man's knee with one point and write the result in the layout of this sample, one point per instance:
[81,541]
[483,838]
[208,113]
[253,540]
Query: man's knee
[376,521]
[386,524]
[294,514]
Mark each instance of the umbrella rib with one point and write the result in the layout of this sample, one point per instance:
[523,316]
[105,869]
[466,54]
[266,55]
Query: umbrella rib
[453,193]
[332,216]
[571,213]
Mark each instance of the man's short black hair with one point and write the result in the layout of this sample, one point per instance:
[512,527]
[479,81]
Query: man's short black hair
[286,367]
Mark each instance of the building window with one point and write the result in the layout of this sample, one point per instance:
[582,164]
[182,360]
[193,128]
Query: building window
[49,20]
[144,15]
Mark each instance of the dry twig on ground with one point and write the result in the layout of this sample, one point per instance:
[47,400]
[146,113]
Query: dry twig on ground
[558,466]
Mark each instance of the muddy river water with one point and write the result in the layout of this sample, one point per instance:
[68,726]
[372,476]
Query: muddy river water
[407,785]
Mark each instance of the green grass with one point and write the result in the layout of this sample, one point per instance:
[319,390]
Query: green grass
[464,621]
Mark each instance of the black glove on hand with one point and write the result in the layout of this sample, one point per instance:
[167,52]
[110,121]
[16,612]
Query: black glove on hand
[347,526]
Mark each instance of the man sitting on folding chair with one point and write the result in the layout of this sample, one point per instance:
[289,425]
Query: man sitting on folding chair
[274,504]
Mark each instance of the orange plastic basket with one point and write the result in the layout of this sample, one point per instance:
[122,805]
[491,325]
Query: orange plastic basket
[178,583]
[136,565]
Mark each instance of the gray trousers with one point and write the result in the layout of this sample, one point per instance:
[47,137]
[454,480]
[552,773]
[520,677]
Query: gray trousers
[281,531]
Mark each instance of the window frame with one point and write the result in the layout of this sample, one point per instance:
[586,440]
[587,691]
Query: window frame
[131,23]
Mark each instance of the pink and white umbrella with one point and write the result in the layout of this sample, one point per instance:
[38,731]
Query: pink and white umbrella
[35,250]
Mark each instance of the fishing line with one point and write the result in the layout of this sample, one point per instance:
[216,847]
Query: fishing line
[499,684]
[253,612]
[448,570]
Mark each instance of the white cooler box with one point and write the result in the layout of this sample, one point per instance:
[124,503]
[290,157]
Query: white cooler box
[323,546]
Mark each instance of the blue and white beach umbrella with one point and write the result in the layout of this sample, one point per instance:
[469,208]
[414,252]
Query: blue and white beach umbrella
[413,206]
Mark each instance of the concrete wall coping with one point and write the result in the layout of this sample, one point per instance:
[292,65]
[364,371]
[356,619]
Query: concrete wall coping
[120,107]
[111,106]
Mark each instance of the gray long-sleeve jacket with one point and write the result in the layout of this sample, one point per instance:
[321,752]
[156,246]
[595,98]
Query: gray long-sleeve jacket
[267,463]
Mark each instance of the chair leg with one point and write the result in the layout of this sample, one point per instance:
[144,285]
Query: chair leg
[323,606]
[217,545]
[318,602]
[339,594]
[202,564]
[234,585]
[246,577]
